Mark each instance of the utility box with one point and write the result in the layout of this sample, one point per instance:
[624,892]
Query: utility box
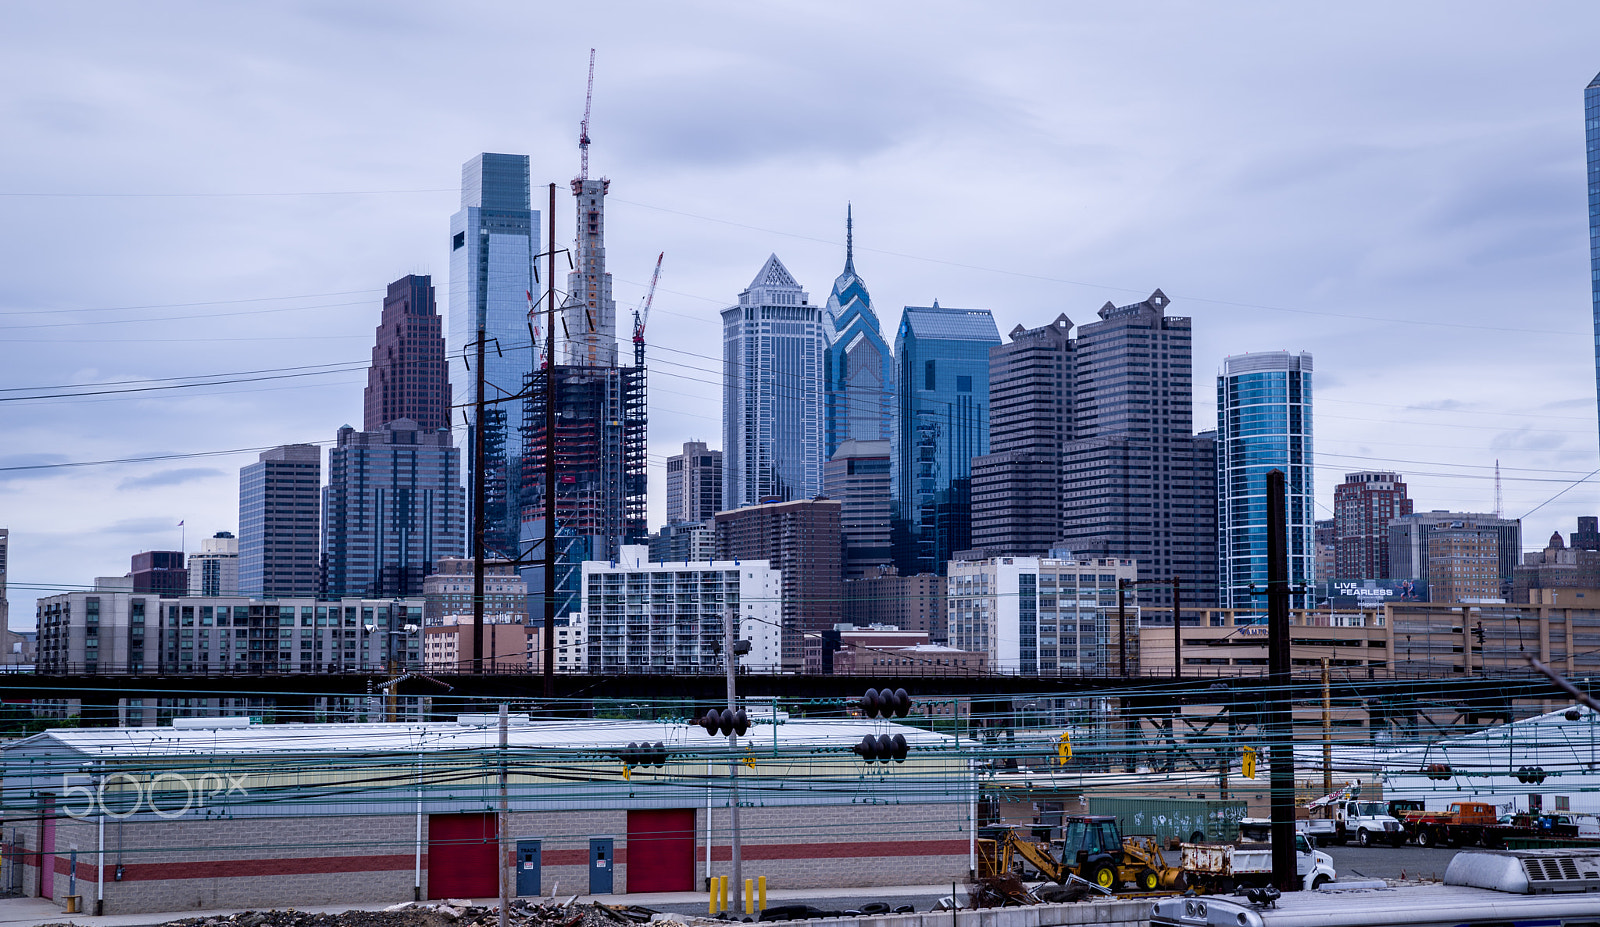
[1190,820]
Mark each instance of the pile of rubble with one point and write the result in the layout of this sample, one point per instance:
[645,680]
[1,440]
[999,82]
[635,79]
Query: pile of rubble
[452,913]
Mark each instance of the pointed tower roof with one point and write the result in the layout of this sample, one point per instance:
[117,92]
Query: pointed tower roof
[773,274]
[850,298]
[1594,84]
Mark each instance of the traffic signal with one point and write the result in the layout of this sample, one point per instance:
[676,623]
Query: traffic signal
[725,722]
[1532,775]
[883,748]
[1249,762]
[644,754]
[884,703]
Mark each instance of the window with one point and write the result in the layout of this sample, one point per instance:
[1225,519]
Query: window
[927,375]
[963,384]
[459,241]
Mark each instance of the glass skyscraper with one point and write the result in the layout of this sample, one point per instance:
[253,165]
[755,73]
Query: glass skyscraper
[279,503]
[1263,424]
[773,347]
[1591,113]
[860,369]
[942,365]
[493,241]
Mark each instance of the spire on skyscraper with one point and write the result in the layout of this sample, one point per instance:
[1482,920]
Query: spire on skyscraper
[849,241]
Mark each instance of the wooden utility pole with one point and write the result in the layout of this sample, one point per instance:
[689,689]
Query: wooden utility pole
[1327,730]
[1177,635]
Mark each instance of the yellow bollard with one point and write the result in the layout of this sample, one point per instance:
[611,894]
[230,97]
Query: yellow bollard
[725,890]
[712,908]
[749,896]
[761,886]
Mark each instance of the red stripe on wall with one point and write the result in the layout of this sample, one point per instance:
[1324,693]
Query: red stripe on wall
[235,868]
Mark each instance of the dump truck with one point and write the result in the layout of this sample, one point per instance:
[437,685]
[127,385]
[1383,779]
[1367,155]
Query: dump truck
[1091,848]
[1463,823]
[1220,867]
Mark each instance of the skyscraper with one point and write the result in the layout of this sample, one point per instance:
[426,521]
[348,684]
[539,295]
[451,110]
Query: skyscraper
[589,315]
[1476,554]
[1264,424]
[857,475]
[1363,506]
[279,501]
[1016,487]
[409,377]
[1138,484]
[773,346]
[214,570]
[942,364]
[1591,114]
[859,374]
[694,483]
[493,242]
[393,507]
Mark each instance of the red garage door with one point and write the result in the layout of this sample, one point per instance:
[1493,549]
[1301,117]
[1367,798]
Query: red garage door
[661,850]
[461,850]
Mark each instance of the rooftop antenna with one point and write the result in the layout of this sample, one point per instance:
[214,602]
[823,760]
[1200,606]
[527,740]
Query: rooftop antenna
[583,129]
[1498,507]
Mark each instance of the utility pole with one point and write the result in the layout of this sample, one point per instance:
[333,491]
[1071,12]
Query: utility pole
[1122,627]
[550,457]
[478,493]
[1279,705]
[1177,636]
[733,751]
[1327,730]
[505,822]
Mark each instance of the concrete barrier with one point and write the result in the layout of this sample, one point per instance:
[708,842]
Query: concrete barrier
[1115,913]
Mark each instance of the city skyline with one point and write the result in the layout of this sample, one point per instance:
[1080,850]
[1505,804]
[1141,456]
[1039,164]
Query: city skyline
[1472,155]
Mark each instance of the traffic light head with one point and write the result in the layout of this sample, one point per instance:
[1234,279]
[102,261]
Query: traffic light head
[882,748]
[725,722]
[885,703]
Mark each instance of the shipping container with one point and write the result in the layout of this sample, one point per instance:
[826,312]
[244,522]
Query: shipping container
[1191,820]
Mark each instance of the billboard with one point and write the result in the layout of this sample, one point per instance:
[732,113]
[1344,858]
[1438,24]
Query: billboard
[1365,593]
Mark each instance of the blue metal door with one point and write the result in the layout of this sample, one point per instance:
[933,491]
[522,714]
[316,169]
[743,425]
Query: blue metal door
[528,867]
[601,864]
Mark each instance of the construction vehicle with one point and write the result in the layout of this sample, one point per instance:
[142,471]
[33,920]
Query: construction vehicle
[1091,849]
[1463,822]
[1221,867]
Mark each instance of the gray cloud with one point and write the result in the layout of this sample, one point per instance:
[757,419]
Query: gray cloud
[174,477]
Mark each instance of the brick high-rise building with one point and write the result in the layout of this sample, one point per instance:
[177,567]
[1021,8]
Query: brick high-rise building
[694,483]
[801,540]
[1448,550]
[280,498]
[1016,487]
[1363,506]
[160,572]
[408,377]
[858,477]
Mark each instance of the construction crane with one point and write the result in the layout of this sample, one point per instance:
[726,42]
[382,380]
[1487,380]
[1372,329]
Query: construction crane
[583,128]
[641,315]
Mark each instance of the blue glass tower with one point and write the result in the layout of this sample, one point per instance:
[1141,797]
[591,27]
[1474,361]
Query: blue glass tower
[860,370]
[1591,113]
[1263,424]
[493,240]
[942,367]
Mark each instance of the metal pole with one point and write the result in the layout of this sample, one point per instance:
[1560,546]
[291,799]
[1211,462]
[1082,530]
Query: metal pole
[733,750]
[100,867]
[550,457]
[479,493]
[1122,626]
[505,822]
[1327,730]
[1278,702]
[416,871]
[1177,626]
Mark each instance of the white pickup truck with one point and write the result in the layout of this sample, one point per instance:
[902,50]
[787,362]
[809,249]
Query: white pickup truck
[1222,867]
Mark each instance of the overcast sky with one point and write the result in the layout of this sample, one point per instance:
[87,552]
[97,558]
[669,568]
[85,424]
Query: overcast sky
[204,189]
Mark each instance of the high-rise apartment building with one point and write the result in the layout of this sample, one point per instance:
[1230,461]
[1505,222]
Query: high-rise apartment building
[684,542]
[409,377]
[1264,424]
[1138,484]
[773,347]
[1363,506]
[858,477]
[942,380]
[1039,615]
[859,371]
[393,508]
[644,617]
[280,497]
[910,603]
[1016,487]
[447,591]
[494,239]
[215,569]
[694,483]
[800,540]
[1591,115]
[1424,545]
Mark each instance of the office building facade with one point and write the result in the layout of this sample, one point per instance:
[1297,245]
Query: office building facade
[160,571]
[1039,615]
[942,380]
[1016,487]
[280,500]
[494,239]
[694,483]
[215,569]
[858,477]
[684,542]
[1138,484]
[773,355]
[800,540]
[1264,424]
[393,507]
[859,372]
[1363,506]
[1462,554]
[409,377]
[643,617]
[447,591]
